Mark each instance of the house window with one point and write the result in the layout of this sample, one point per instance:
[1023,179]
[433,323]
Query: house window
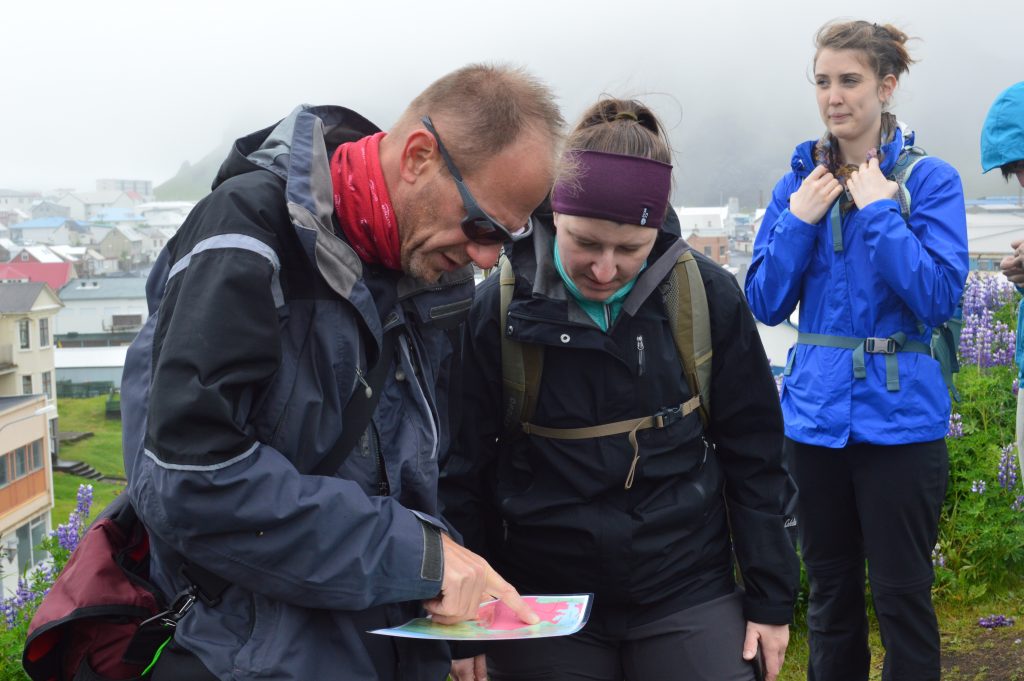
[30,535]
[26,384]
[707,251]
[44,332]
[721,250]
[20,462]
[5,477]
[37,455]
[47,385]
[23,336]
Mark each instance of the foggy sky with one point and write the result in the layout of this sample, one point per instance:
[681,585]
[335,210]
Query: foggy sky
[121,89]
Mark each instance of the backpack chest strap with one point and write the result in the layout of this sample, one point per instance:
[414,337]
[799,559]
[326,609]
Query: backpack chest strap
[661,419]
[889,346]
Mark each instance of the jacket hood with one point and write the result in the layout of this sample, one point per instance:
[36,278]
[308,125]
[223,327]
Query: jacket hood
[803,161]
[1002,136]
[297,149]
[270,148]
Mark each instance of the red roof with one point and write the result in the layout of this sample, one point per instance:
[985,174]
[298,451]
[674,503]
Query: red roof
[56,274]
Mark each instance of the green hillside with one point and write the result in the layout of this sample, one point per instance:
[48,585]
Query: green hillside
[192,182]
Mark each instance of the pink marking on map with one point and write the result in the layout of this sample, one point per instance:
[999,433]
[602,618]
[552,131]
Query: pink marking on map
[498,616]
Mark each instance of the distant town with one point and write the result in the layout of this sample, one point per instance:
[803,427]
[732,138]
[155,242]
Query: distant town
[73,267]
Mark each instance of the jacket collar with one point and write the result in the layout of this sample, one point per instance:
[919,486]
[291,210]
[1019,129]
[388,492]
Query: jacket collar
[803,163]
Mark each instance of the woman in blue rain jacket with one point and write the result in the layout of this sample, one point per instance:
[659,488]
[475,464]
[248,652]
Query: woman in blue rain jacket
[865,405]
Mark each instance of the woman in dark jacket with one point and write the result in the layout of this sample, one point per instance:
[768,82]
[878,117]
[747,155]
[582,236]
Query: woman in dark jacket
[642,519]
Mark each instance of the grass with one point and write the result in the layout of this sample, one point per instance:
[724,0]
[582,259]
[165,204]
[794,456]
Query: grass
[102,451]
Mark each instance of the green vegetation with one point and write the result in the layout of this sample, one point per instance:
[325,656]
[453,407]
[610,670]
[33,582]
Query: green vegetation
[192,182]
[102,451]
[65,487]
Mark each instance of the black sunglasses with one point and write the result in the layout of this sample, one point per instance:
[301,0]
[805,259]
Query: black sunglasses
[478,226]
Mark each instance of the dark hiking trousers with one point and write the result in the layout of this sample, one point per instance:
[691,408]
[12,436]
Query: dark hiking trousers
[879,503]
[702,643]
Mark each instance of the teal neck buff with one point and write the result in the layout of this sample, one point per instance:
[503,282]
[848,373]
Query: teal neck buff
[603,313]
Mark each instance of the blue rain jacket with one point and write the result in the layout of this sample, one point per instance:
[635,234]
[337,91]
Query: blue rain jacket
[891,275]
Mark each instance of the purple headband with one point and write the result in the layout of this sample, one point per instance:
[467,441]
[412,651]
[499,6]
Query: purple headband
[616,187]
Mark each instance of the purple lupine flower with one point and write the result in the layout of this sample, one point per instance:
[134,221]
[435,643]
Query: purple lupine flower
[956,426]
[978,486]
[1008,467]
[994,621]
[938,560]
[84,499]
[1018,503]
[1016,385]
[985,292]
[986,342]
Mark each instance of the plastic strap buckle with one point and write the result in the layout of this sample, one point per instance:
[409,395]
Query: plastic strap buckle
[880,346]
[667,416]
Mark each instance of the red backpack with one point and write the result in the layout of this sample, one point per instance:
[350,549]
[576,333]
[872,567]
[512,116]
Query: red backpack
[103,618]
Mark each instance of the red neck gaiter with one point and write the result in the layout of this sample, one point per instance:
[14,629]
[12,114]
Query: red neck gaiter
[362,204]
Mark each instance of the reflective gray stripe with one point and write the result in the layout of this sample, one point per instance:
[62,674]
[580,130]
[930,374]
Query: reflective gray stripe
[244,242]
[212,467]
[426,402]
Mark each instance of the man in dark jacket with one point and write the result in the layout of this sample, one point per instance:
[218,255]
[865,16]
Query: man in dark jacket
[323,239]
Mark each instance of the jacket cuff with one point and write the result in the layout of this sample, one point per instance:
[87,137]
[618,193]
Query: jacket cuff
[462,650]
[767,613]
[432,568]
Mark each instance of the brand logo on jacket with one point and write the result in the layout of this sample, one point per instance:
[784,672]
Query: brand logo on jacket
[644,216]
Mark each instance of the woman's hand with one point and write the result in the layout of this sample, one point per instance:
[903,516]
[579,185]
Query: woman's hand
[773,640]
[470,669]
[816,194]
[867,184]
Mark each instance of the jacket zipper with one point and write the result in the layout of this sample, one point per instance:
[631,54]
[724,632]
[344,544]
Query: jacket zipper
[639,355]
[383,488]
[411,352]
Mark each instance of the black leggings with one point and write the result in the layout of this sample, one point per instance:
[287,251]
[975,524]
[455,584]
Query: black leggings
[702,643]
[882,504]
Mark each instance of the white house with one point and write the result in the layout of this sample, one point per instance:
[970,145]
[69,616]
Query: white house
[103,305]
[702,219]
[989,233]
[43,231]
[165,213]
[87,205]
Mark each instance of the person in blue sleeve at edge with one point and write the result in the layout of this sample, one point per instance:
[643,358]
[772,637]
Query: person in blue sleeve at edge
[269,305]
[865,405]
[1002,146]
[649,526]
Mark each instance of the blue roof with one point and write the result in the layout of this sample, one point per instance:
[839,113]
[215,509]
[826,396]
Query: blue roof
[118,215]
[104,288]
[40,223]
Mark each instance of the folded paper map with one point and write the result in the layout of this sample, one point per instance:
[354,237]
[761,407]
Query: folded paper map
[559,616]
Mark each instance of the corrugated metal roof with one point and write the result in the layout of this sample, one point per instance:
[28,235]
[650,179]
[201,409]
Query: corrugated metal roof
[89,358]
[19,297]
[104,288]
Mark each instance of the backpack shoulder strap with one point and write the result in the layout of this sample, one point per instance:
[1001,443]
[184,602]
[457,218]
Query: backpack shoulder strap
[521,363]
[900,172]
[686,302]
